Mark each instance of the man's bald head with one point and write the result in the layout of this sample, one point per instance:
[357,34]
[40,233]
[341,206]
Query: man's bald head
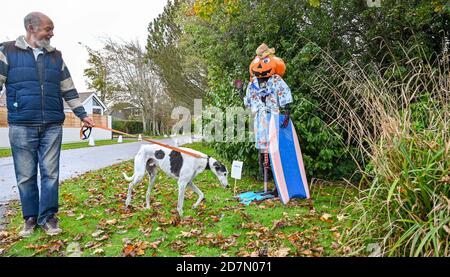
[39,29]
[34,19]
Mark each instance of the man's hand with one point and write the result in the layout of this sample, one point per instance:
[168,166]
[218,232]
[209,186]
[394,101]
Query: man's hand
[286,118]
[285,121]
[88,122]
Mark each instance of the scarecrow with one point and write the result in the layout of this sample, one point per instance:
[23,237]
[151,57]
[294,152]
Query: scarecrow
[267,94]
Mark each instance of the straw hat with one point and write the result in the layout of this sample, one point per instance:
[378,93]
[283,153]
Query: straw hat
[263,51]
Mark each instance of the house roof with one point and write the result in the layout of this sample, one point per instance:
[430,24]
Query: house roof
[84,97]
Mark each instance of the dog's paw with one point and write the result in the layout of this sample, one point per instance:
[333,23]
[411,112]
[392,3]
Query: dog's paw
[196,204]
[180,213]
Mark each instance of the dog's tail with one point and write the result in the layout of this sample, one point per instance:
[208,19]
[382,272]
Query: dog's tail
[129,179]
[140,161]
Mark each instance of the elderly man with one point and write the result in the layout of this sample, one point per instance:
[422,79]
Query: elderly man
[37,80]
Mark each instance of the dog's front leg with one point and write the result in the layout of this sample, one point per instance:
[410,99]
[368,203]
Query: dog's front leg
[181,190]
[200,195]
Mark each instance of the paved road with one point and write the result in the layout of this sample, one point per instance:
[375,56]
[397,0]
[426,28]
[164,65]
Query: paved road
[75,162]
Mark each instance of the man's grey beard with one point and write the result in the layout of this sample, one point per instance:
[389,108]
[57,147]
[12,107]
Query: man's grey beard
[43,43]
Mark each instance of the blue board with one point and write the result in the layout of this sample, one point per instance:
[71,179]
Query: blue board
[286,160]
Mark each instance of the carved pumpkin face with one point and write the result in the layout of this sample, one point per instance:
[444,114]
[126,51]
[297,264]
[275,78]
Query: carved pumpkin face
[266,67]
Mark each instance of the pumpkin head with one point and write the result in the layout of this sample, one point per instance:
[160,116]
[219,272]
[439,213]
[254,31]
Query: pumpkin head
[267,66]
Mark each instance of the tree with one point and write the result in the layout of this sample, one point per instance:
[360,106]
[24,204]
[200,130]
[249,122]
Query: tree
[183,76]
[98,74]
[134,80]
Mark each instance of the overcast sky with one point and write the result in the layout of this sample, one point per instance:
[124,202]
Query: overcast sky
[82,21]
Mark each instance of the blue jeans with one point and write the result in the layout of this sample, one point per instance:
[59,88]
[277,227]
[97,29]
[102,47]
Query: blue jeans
[34,146]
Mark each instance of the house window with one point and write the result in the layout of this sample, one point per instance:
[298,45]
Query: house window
[96,111]
[95,102]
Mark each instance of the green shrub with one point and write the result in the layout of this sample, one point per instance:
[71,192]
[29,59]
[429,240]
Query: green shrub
[401,127]
[128,126]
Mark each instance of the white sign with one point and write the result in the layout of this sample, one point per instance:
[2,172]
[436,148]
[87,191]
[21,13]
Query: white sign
[236,170]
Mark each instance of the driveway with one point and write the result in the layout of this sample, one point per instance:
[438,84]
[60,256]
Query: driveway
[75,162]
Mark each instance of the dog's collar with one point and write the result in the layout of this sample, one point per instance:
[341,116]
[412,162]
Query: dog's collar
[207,163]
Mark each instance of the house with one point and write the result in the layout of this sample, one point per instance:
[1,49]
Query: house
[91,102]
[95,108]
[124,111]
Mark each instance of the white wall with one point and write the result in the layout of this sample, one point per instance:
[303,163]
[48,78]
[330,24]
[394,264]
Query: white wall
[4,139]
[69,134]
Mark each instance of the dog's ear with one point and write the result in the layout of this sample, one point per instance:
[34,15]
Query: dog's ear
[219,166]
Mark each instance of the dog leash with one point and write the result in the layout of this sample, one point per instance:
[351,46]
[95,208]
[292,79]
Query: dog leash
[85,133]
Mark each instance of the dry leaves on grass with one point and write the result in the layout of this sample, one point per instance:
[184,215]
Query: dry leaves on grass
[326,217]
[51,247]
[135,249]
[280,252]
[190,234]
[73,250]
[217,240]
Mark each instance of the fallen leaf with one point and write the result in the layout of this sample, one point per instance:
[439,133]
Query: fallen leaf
[104,237]
[80,217]
[78,237]
[282,252]
[155,244]
[334,245]
[318,249]
[111,222]
[97,233]
[73,250]
[146,232]
[90,244]
[70,213]
[128,251]
[98,251]
[326,217]
[447,229]
[184,234]
[340,217]
[55,246]
[3,234]
[279,224]
[190,255]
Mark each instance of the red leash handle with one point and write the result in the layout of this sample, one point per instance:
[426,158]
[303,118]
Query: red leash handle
[84,129]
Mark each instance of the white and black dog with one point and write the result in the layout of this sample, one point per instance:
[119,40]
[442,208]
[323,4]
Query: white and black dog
[177,165]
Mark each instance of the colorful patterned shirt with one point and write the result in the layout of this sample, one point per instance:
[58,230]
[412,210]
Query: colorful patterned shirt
[277,94]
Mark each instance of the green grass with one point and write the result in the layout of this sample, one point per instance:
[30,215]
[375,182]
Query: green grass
[220,226]
[6,152]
